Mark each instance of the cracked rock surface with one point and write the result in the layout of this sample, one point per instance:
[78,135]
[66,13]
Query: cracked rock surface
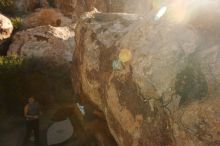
[156,82]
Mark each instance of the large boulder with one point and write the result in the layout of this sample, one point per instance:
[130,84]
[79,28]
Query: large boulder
[6,27]
[54,43]
[46,16]
[156,80]
[77,7]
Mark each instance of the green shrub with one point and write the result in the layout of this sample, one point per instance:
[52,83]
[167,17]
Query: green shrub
[52,3]
[5,3]
[16,22]
[7,7]
[21,78]
[11,84]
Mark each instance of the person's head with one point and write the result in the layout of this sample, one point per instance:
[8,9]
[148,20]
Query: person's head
[31,99]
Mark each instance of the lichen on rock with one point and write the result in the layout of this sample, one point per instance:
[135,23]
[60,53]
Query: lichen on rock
[160,95]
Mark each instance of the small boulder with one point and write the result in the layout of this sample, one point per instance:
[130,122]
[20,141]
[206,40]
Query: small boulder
[6,27]
[46,16]
[52,43]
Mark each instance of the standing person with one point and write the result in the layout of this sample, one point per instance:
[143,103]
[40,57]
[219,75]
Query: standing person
[31,113]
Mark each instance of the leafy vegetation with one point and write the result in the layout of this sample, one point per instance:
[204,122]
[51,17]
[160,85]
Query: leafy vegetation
[10,77]
[52,3]
[5,3]
[7,7]
[16,22]
[21,78]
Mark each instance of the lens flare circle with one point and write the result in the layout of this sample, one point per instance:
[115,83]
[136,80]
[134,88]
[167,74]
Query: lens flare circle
[125,55]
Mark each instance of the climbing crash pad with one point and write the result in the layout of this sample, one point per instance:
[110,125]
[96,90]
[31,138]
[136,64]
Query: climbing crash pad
[59,132]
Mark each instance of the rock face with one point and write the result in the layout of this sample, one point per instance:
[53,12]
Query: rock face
[6,27]
[46,16]
[157,82]
[29,5]
[67,7]
[54,43]
[77,7]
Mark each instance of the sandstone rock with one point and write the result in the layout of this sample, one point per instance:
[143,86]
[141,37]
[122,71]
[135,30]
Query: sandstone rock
[46,16]
[75,8]
[67,7]
[30,5]
[54,43]
[6,27]
[157,82]
[78,7]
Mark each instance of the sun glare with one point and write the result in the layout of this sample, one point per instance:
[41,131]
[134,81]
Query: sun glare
[161,13]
